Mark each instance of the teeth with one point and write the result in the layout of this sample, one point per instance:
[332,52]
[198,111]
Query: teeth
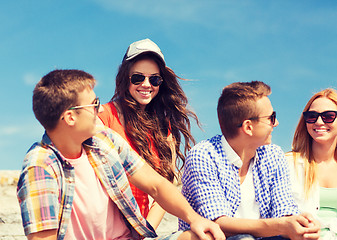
[321,130]
[144,92]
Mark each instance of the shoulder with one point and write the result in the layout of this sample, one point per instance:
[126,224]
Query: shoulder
[270,150]
[106,135]
[207,152]
[207,146]
[41,162]
[294,157]
[271,156]
[39,155]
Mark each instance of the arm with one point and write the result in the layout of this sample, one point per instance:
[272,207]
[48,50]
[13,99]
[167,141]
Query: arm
[38,189]
[282,201]
[156,212]
[279,204]
[293,227]
[45,235]
[168,196]
[161,190]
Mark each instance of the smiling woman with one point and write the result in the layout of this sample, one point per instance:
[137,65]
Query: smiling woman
[313,161]
[149,109]
[144,91]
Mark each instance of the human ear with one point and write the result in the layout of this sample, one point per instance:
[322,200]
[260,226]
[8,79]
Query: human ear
[69,118]
[247,127]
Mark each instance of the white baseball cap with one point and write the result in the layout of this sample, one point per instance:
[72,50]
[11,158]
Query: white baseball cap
[142,46]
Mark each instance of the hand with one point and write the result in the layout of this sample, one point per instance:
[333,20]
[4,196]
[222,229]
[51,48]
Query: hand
[302,227]
[313,226]
[201,226]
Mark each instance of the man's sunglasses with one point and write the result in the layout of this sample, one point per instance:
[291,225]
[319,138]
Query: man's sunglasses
[137,79]
[312,116]
[272,118]
[96,104]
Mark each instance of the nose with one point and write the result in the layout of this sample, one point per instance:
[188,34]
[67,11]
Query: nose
[319,120]
[146,82]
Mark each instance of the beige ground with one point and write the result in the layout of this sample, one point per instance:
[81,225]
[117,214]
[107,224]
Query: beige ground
[10,220]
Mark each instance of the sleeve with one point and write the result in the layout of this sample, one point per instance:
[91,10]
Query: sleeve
[305,203]
[202,186]
[282,199]
[38,197]
[129,158]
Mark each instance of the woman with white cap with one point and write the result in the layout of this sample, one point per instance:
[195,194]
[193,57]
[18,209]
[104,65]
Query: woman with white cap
[149,109]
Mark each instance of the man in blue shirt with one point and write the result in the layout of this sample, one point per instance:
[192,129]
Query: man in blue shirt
[239,179]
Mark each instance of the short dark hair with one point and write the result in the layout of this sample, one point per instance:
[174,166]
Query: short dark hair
[56,92]
[237,103]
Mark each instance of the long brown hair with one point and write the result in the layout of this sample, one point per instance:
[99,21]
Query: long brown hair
[302,142]
[167,112]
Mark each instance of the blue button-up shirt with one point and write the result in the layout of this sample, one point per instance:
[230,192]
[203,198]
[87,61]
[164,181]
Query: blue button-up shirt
[211,182]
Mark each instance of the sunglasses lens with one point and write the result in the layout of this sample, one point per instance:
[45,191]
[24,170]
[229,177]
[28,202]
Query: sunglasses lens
[155,80]
[273,118]
[328,117]
[310,117]
[137,79]
[97,104]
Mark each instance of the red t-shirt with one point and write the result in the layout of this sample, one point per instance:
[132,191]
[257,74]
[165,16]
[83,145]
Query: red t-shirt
[110,119]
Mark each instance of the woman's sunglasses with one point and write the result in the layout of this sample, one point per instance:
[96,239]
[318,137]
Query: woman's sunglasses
[137,79]
[312,116]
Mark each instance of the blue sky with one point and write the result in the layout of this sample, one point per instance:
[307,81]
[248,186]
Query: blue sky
[290,45]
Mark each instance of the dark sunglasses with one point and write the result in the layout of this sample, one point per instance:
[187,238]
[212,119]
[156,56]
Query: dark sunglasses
[272,118]
[312,116]
[137,79]
[96,104]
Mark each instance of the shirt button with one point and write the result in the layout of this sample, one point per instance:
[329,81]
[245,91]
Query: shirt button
[68,205]
[62,230]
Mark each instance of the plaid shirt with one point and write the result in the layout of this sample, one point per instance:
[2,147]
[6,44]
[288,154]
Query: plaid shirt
[211,182]
[47,182]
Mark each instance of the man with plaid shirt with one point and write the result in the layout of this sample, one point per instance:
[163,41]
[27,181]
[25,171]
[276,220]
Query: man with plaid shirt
[239,179]
[74,183]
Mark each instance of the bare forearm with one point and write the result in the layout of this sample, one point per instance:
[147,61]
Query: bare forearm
[164,193]
[170,199]
[43,235]
[255,227]
[155,215]
[293,227]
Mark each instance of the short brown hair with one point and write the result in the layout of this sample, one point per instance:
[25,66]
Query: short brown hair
[56,92]
[237,103]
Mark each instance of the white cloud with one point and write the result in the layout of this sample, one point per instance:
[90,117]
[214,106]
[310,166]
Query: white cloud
[30,79]
[9,130]
[249,18]
[211,13]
